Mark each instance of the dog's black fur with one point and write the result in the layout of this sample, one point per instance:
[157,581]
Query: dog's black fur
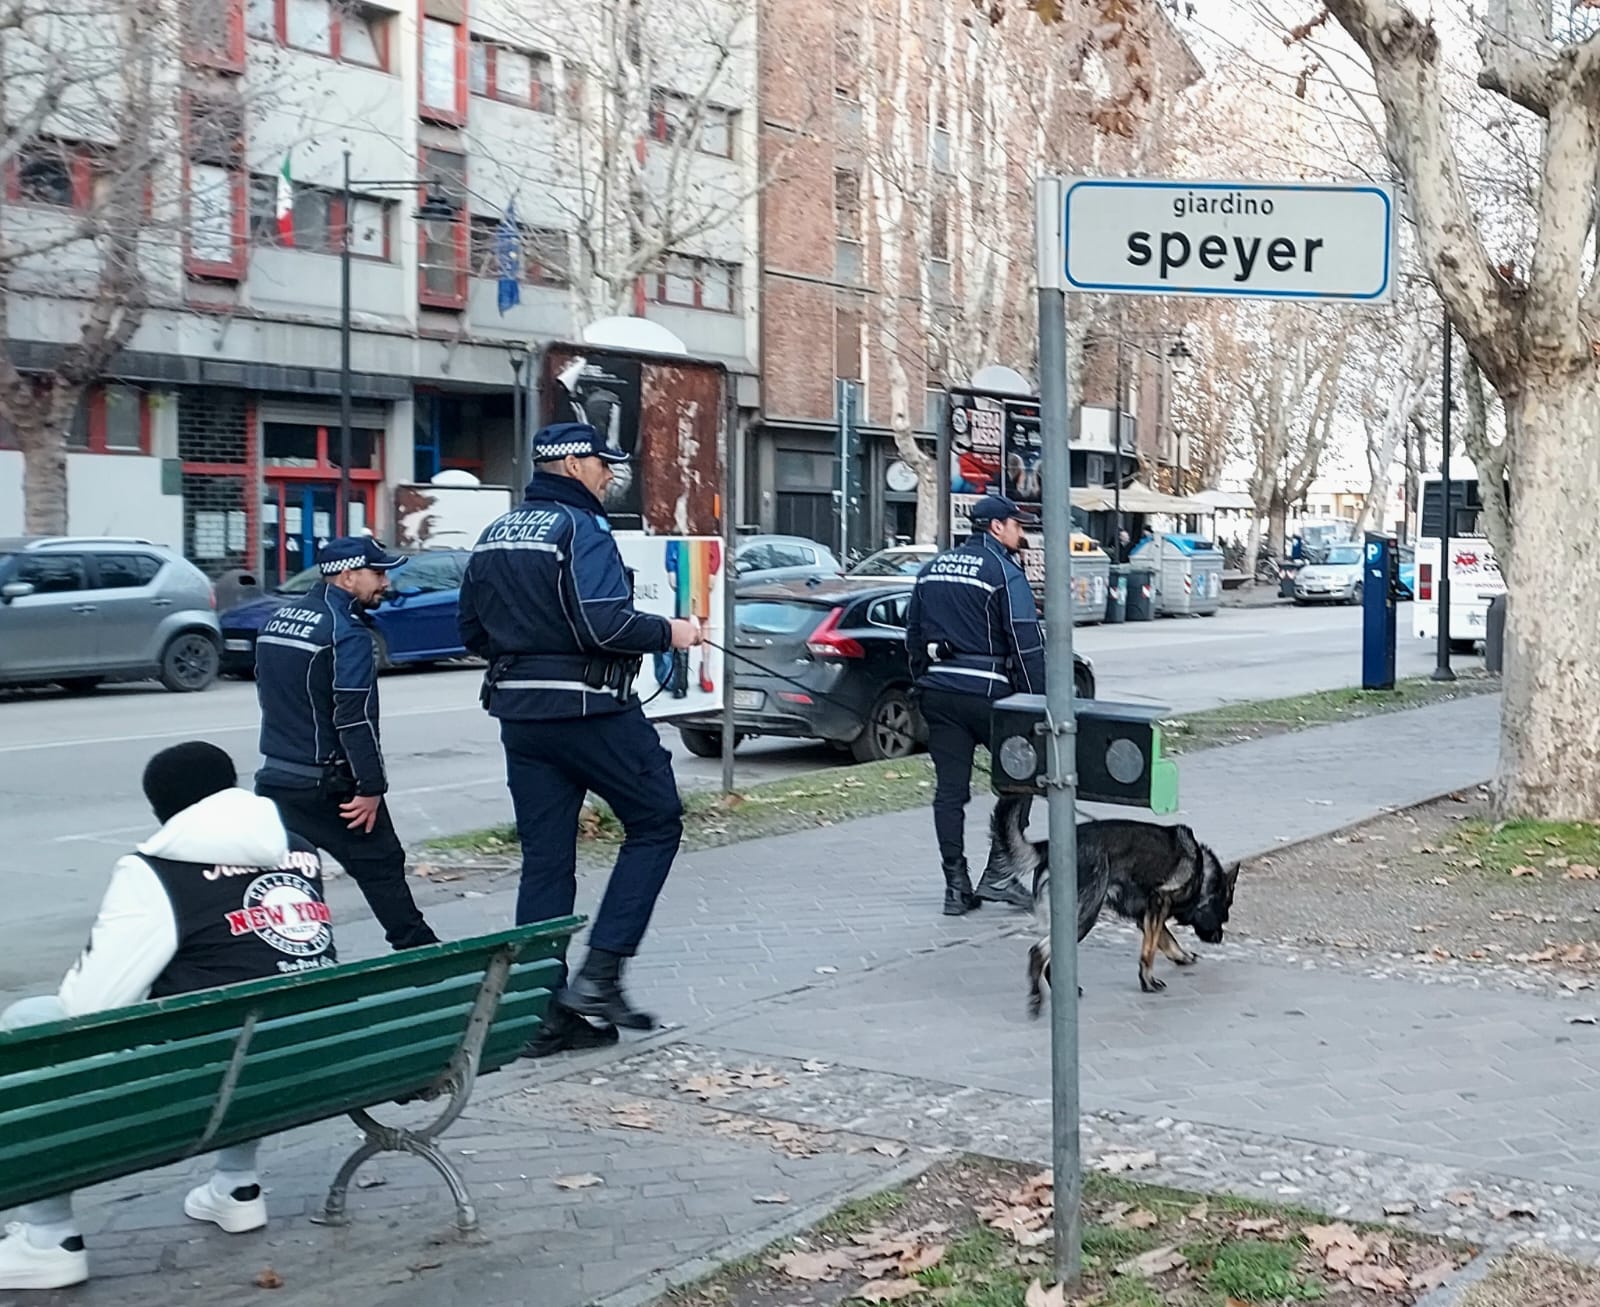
[1147,873]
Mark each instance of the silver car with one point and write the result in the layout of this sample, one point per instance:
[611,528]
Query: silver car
[81,610]
[782,558]
[1336,579]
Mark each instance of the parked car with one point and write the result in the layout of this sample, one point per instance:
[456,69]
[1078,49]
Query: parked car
[825,661]
[896,560]
[782,558]
[1336,579]
[415,623]
[79,610]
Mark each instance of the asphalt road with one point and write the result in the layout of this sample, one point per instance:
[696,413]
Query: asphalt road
[70,766]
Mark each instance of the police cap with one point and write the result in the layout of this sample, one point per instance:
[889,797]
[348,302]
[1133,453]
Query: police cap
[347,553]
[997,508]
[578,439]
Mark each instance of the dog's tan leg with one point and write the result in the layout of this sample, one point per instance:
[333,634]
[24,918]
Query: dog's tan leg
[1148,981]
[1169,945]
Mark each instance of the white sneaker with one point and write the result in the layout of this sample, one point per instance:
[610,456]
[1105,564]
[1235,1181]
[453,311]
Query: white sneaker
[24,1265]
[243,1209]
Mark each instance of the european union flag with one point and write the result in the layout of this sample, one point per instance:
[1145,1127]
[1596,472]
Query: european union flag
[506,258]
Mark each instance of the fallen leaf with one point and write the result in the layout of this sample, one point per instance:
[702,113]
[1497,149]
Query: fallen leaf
[1525,870]
[1379,1279]
[1512,1212]
[418,1267]
[1400,1207]
[1268,1226]
[708,1087]
[759,1077]
[635,1116]
[888,1290]
[1338,1245]
[1586,1020]
[1140,1219]
[811,1064]
[267,1278]
[1433,1277]
[371,1182]
[584,1181]
[813,1266]
[1117,1162]
[1461,1198]
[771,1200]
[889,1149]
[1582,871]
[920,1258]
[1158,1261]
[1039,1296]
[1199,1212]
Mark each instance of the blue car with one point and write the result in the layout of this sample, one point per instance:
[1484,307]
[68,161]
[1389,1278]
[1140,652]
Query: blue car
[415,623]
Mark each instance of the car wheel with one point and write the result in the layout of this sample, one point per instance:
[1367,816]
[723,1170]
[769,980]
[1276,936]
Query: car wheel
[1355,593]
[891,730]
[80,684]
[189,662]
[1082,683]
[703,743]
[380,653]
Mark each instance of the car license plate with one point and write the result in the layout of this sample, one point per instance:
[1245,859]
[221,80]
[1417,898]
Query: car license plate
[748,698]
[236,646]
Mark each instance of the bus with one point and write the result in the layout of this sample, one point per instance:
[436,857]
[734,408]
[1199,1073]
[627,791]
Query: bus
[1474,574]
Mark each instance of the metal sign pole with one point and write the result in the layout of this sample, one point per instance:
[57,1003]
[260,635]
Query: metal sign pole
[1061,777]
[1441,586]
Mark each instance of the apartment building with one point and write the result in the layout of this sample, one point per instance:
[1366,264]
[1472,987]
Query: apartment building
[900,143]
[518,171]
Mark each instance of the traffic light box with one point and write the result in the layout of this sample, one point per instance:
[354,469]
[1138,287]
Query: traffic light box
[1118,758]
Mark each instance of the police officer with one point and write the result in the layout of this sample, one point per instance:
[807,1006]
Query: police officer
[322,763]
[972,635]
[548,602]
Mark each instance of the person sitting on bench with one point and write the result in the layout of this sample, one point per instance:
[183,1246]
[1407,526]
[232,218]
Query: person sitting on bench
[220,894]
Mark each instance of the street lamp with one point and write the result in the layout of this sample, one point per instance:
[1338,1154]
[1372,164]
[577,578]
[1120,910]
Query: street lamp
[433,207]
[1179,351]
[521,451]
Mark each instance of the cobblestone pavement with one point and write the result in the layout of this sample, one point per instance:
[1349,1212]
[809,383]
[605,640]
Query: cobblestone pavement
[1264,1069]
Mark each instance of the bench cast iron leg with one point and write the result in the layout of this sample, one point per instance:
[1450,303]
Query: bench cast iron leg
[333,1212]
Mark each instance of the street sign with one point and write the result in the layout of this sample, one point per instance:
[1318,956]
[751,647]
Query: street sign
[1234,240]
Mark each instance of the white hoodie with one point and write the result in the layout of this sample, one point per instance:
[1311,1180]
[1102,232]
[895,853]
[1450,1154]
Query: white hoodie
[136,934]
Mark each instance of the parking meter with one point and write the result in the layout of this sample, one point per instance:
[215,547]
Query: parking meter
[1380,585]
[1118,756]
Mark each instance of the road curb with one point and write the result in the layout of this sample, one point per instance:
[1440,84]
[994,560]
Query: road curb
[1453,1290]
[698,1268]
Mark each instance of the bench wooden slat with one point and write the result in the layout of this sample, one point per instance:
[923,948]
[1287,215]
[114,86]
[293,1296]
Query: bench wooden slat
[100,1097]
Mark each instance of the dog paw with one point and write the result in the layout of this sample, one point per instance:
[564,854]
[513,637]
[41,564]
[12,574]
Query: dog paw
[1187,960]
[1151,984]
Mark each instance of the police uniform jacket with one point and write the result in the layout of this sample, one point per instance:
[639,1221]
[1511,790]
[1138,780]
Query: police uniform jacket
[318,685]
[547,601]
[972,626]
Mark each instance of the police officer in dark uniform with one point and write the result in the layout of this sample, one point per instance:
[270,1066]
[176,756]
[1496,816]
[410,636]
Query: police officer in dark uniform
[972,635]
[547,601]
[322,762]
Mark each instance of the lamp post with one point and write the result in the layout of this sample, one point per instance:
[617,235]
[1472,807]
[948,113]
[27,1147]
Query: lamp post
[434,206]
[520,449]
[1179,353]
[1442,670]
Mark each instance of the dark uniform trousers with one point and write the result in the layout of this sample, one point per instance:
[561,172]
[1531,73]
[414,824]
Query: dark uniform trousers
[549,767]
[373,859]
[957,724]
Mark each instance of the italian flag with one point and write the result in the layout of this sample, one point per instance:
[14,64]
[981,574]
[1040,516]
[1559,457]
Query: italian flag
[286,204]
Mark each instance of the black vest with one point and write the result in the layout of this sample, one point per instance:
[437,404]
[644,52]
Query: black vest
[244,923]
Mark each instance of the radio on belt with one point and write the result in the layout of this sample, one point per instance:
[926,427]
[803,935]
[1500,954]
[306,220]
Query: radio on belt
[1118,757]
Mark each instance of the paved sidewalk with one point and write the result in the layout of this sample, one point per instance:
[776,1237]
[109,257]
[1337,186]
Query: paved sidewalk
[827,945]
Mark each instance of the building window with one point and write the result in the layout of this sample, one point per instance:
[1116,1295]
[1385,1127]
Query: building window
[671,115]
[443,85]
[317,221]
[939,141]
[213,33]
[523,77]
[849,323]
[939,229]
[216,226]
[540,255]
[353,33]
[111,419]
[694,284]
[57,173]
[444,241]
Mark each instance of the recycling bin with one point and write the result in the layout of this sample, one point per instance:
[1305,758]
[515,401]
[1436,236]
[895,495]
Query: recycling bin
[1117,594]
[1141,594]
[1188,573]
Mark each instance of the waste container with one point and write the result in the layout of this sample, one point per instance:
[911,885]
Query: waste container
[1117,594]
[1288,570]
[236,587]
[1494,636]
[1141,594]
[1091,579]
[1188,573]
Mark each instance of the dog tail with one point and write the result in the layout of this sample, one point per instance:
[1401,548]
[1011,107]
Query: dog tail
[1008,840]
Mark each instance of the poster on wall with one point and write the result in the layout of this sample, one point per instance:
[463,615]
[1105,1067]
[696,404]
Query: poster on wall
[605,390]
[679,576]
[977,438]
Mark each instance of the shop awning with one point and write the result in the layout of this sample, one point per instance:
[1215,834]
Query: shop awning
[1136,498]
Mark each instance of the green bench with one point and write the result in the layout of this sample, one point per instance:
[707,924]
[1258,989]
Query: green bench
[119,1092]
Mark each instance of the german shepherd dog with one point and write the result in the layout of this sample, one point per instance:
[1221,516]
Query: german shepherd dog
[1148,873]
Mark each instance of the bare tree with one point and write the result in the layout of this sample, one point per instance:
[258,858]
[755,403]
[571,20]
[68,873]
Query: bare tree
[86,108]
[651,133]
[1531,330]
[1399,364]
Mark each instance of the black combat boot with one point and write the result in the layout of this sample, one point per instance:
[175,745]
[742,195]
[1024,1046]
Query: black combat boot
[596,992]
[958,896]
[565,1032]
